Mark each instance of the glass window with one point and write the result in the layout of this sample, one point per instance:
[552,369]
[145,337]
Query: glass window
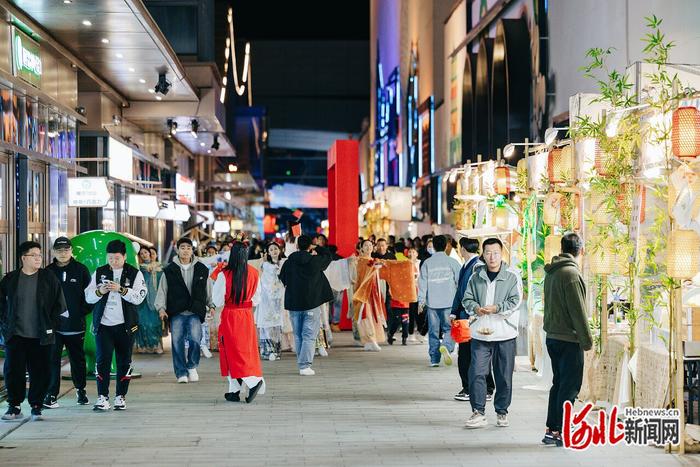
[58,212]
[7,127]
[43,129]
[53,131]
[22,127]
[72,135]
[32,111]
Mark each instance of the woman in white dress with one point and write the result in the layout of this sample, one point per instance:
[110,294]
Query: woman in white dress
[269,316]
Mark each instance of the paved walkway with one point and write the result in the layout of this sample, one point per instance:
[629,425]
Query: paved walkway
[361,409]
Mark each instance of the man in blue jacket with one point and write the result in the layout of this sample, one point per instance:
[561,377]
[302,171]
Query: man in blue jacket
[469,249]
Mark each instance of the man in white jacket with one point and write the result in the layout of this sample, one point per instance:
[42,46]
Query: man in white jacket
[493,296]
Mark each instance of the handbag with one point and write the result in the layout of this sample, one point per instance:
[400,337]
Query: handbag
[460,331]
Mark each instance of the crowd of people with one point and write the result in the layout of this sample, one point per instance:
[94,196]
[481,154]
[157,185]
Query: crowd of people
[253,301]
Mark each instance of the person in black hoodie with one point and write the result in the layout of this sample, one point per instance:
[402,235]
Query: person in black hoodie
[74,278]
[116,289]
[31,301]
[306,290]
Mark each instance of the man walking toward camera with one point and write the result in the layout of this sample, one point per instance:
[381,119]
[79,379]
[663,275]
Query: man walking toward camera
[566,325]
[493,296]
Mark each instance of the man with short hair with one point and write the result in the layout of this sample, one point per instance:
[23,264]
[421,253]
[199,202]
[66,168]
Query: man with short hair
[493,296]
[383,251]
[568,334]
[306,289]
[116,289]
[31,301]
[184,297]
[437,285]
[470,252]
[74,278]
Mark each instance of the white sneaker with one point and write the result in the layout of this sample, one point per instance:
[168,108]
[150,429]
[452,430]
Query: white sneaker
[307,372]
[182,379]
[477,420]
[322,352]
[206,352]
[376,347]
[446,357]
[272,357]
[192,375]
[502,420]
[102,404]
[119,403]
[412,338]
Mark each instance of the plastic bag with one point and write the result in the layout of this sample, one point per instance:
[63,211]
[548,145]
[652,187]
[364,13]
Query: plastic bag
[460,331]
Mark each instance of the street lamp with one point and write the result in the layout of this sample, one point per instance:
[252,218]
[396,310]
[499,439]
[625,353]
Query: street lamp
[509,149]
[550,134]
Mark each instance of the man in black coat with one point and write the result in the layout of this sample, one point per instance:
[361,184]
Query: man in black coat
[74,278]
[31,302]
[306,290]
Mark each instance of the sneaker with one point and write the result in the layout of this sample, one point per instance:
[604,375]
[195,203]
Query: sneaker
[502,420]
[102,404]
[403,341]
[82,397]
[375,347]
[477,420]
[489,397]
[253,392]
[206,352]
[391,340]
[372,347]
[307,372]
[552,439]
[412,338]
[13,414]
[272,357]
[322,352]
[119,403]
[434,365]
[462,396]
[36,414]
[233,396]
[182,379]
[447,358]
[50,402]
[192,375]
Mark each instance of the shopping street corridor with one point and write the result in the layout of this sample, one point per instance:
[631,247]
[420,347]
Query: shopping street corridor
[361,409]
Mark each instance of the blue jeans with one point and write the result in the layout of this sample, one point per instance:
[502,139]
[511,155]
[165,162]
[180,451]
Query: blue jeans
[306,325]
[185,328]
[337,306]
[439,320]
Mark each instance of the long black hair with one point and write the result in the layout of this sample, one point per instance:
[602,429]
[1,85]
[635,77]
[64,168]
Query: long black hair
[238,265]
[267,248]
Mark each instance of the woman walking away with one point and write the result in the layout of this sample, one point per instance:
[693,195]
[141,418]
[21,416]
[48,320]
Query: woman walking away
[236,288]
[268,317]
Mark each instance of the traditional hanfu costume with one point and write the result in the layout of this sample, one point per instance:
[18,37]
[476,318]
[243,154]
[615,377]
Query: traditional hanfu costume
[238,343]
[149,336]
[269,315]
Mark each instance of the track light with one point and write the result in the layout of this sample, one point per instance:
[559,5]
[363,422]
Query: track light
[195,128]
[172,127]
[163,85]
[215,145]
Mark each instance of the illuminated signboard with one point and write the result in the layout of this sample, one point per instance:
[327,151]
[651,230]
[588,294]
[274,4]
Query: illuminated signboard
[121,161]
[185,189]
[26,63]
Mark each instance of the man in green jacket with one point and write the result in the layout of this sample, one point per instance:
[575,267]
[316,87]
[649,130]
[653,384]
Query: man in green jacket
[566,325]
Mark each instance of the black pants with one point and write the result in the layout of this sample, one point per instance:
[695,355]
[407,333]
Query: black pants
[115,339]
[22,355]
[464,360]
[416,322]
[76,354]
[398,317]
[567,366]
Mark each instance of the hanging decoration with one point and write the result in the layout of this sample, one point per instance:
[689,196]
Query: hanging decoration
[230,53]
[561,165]
[683,254]
[599,208]
[552,209]
[602,159]
[552,247]
[685,133]
[602,258]
[504,180]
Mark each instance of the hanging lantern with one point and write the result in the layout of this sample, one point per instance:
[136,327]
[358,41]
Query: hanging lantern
[602,159]
[560,164]
[552,247]
[603,258]
[552,209]
[501,218]
[386,225]
[475,181]
[683,254]
[503,180]
[599,208]
[685,134]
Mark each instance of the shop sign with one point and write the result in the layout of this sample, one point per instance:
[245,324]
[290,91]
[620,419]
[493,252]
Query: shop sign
[88,192]
[121,161]
[185,189]
[26,58]
[222,227]
[143,205]
[182,212]
[167,211]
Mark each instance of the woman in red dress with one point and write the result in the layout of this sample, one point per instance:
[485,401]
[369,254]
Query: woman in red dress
[236,288]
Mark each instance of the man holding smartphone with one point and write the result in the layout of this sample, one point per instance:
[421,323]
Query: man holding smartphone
[116,289]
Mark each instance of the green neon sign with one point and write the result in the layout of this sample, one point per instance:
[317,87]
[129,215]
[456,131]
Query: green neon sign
[26,58]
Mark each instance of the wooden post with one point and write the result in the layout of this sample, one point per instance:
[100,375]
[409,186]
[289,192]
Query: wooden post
[603,312]
[677,362]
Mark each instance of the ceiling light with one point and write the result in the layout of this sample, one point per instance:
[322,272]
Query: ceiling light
[215,145]
[87,22]
[131,69]
[118,55]
[202,144]
[232,168]
[158,98]
[151,90]
[67,2]
[142,81]
[208,151]
[105,40]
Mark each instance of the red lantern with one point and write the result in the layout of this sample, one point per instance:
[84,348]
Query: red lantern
[503,180]
[685,136]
